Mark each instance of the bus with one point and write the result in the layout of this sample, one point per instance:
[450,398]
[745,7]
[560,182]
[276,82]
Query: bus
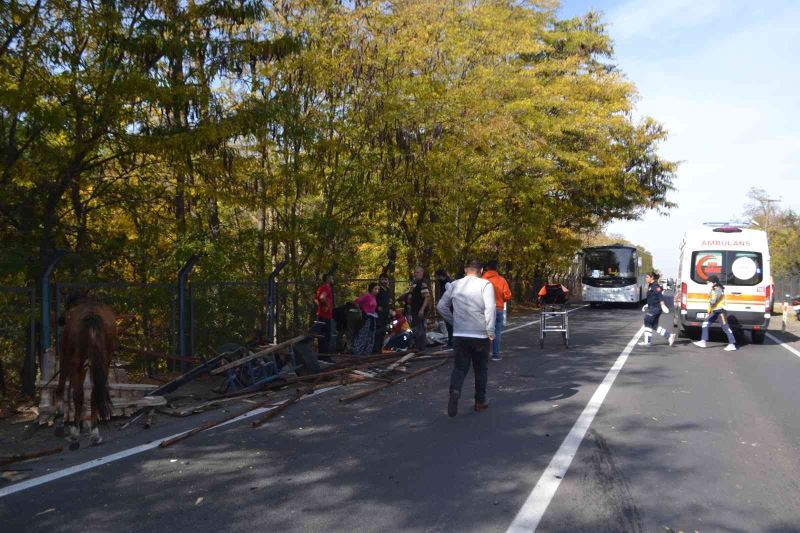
[739,257]
[612,274]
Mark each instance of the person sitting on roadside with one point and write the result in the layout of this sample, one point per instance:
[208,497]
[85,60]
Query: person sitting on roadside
[400,338]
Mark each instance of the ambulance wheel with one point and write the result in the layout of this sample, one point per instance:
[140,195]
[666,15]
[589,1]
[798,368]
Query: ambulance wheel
[757,337]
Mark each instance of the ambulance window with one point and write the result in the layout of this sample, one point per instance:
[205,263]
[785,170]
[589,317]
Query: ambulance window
[732,267]
[745,268]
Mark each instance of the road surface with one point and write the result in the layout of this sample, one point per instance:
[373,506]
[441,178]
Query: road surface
[676,439]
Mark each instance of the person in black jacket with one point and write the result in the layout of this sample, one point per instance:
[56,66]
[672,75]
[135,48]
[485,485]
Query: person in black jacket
[652,309]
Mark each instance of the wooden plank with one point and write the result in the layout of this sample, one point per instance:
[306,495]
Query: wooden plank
[262,353]
[277,410]
[362,394]
[147,401]
[7,460]
[113,386]
[169,442]
[399,362]
[190,375]
[211,403]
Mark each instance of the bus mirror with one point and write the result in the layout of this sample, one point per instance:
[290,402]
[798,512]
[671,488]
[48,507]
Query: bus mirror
[639,261]
[577,259]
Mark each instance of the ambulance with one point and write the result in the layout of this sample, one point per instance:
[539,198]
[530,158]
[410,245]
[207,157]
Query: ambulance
[740,258]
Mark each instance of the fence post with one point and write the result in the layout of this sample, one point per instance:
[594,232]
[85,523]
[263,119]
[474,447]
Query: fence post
[183,335]
[272,315]
[44,284]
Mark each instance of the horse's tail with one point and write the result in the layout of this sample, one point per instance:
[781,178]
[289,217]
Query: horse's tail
[98,359]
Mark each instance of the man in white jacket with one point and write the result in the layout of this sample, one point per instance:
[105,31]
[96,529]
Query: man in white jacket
[473,317]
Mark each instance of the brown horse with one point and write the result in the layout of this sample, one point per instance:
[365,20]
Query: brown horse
[89,339]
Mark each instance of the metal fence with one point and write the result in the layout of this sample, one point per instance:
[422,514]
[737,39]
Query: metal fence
[222,311]
[166,326]
[146,314]
[787,286]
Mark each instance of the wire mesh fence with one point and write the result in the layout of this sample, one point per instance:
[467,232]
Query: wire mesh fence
[223,312]
[146,319]
[787,287]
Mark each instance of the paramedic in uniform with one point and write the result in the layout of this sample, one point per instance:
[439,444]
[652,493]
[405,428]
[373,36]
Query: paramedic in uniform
[652,309]
[716,309]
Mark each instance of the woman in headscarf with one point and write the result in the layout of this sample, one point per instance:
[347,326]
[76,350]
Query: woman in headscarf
[368,304]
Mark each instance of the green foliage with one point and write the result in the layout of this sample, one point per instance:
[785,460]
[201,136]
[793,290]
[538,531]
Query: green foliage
[782,227]
[136,132]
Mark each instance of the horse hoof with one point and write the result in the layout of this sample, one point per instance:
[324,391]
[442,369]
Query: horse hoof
[74,446]
[97,442]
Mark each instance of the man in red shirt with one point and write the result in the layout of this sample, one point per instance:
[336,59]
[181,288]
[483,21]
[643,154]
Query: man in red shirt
[324,302]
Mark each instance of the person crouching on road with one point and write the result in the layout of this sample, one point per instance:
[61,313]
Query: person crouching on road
[473,318]
[365,340]
[652,309]
[716,309]
[502,294]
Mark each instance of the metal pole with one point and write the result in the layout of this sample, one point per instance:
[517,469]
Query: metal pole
[183,335]
[44,284]
[29,373]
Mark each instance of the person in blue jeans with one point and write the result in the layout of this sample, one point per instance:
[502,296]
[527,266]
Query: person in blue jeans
[716,310]
[502,294]
[468,304]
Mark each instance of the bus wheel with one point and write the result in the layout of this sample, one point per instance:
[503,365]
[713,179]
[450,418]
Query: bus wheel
[757,336]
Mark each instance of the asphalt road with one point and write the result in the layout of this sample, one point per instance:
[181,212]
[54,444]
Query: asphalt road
[685,440]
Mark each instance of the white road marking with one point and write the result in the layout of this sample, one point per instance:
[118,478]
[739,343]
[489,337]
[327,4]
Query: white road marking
[100,461]
[779,341]
[537,321]
[533,509]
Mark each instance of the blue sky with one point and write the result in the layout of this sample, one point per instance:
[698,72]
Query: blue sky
[724,78]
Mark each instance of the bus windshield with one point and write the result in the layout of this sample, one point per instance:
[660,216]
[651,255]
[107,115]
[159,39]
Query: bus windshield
[604,263]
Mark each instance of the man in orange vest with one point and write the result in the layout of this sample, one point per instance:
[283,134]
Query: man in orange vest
[502,294]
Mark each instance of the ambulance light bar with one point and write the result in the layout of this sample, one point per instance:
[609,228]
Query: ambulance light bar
[738,224]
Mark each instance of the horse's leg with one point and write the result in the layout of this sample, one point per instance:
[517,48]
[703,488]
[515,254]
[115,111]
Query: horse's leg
[77,400]
[94,432]
[58,420]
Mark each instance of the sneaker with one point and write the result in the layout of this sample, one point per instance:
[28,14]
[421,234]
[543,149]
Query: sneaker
[700,344]
[481,406]
[496,358]
[671,339]
[452,405]
[730,348]
[643,343]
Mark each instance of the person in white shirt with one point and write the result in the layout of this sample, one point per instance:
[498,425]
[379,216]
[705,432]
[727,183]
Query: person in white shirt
[473,316]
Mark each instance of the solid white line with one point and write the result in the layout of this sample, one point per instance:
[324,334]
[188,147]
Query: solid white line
[537,321]
[533,509]
[100,461]
[779,341]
